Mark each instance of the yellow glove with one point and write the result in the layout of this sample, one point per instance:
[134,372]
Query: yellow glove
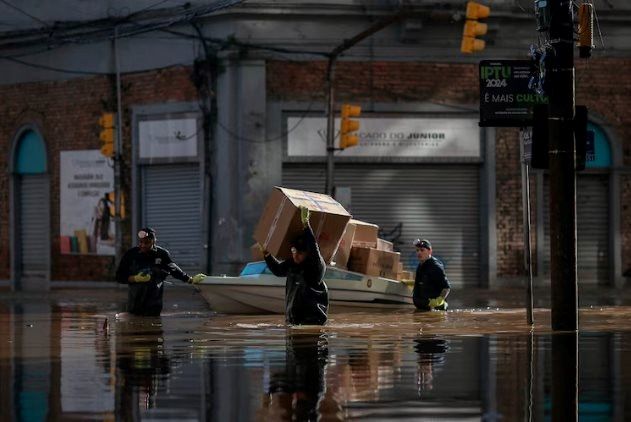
[197,278]
[304,215]
[142,277]
[262,249]
[436,302]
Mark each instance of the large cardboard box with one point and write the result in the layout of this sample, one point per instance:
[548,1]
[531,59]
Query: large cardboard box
[280,222]
[374,262]
[365,234]
[344,248]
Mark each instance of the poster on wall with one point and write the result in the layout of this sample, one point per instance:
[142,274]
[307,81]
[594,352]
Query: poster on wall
[86,208]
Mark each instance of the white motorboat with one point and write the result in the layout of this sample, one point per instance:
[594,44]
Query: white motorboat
[256,291]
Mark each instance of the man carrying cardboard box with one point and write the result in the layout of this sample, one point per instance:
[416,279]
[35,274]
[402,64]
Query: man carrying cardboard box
[431,285]
[306,293]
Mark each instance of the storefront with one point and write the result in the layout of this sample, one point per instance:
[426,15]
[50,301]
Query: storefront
[169,188]
[413,175]
[30,211]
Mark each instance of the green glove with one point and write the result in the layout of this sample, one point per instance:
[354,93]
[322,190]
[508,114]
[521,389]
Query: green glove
[142,277]
[436,302]
[197,278]
[304,215]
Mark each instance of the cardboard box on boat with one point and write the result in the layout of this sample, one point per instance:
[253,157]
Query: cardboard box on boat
[371,261]
[344,248]
[384,245]
[280,222]
[365,234]
[405,276]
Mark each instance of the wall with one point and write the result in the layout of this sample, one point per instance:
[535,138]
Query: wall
[67,113]
[450,83]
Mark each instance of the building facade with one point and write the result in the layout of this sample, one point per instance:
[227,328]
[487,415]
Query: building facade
[219,102]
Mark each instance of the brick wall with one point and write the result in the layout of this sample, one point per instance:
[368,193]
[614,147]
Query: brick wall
[607,97]
[66,113]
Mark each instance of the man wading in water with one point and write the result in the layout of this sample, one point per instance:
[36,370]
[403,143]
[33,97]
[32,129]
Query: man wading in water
[306,293]
[144,268]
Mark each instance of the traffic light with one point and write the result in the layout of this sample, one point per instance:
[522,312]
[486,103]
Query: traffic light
[585,30]
[348,137]
[111,198]
[473,28]
[106,135]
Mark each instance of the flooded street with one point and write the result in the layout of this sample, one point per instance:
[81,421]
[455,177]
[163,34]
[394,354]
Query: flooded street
[65,355]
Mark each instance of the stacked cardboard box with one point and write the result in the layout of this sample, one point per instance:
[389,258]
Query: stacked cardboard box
[370,255]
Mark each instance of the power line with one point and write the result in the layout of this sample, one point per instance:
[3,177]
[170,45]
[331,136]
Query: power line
[35,18]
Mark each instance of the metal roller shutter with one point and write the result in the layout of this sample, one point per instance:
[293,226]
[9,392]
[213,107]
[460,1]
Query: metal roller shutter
[438,202]
[171,203]
[34,223]
[592,227]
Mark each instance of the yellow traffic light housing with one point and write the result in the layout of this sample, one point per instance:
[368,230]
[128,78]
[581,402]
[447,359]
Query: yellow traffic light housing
[349,127]
[473,28]
[106,135]
[585,30]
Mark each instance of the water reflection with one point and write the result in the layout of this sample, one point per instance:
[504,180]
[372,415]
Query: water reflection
[431,357]
[58,361]
[141,365]
[295,392]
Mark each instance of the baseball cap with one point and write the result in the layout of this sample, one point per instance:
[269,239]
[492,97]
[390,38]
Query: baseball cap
[422,243]
[147,232]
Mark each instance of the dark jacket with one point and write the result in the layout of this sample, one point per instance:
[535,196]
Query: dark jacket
[429,282]
[306,294]
[145,298]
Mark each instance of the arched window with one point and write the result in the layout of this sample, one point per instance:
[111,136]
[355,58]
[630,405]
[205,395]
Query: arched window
[602,150]
[30,157]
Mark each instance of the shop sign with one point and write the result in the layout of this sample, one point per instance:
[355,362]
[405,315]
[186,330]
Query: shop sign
[85,210]
[506,99]
[167,138]
[389,137]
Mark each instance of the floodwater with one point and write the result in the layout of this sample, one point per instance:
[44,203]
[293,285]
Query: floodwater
[61,360]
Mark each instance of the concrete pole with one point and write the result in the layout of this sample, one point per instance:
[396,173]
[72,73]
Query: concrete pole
[560,87]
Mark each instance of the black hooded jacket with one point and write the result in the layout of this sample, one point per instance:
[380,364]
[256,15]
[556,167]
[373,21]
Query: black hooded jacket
[145,298]
[429,282]
[306,293]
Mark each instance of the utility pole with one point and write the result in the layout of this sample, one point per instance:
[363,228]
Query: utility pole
[559,85]
[330,103]
[562,150]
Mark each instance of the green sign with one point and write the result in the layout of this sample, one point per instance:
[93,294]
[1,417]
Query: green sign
[505,98]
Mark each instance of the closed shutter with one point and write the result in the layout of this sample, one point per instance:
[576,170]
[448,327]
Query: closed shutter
[34,224]
[592,228]
[171,204]
[437,202]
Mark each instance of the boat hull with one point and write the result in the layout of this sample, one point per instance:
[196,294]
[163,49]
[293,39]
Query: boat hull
[264,294]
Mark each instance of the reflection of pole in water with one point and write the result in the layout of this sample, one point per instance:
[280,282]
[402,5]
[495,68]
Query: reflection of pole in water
[531,368]
[565,376]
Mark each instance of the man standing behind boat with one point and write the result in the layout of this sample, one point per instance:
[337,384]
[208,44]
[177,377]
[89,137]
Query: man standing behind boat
[306,293]
[144,268]
[431,285]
